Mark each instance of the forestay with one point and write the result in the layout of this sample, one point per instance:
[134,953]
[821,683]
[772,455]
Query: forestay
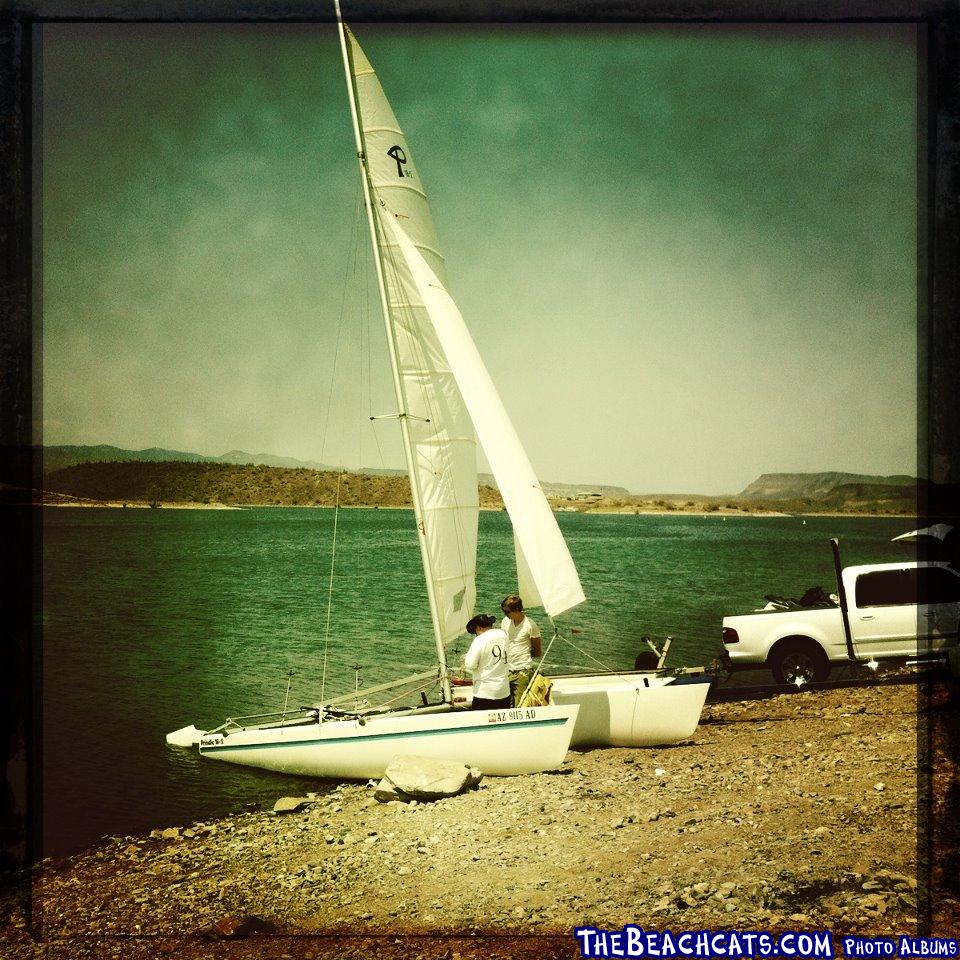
[442,441]
[547,576]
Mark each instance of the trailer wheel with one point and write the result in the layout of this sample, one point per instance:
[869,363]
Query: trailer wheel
[798,661]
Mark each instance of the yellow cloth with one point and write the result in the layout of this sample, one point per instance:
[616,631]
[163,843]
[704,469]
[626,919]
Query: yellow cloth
[539,693]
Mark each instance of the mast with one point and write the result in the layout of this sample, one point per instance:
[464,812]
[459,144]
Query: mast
[392,346]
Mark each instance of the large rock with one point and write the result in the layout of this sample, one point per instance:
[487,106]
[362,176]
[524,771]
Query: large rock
[230,926]
[292,804]
[420,778]
[387,792]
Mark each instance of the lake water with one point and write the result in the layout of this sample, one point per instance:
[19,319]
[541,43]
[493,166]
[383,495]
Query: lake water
[153,619]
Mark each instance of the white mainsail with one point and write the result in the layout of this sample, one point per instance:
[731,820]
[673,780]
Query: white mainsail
[442,444]
[544,567]
[439,372]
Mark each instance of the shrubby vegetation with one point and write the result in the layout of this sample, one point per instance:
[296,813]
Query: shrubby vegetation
[233,485]
[253,485]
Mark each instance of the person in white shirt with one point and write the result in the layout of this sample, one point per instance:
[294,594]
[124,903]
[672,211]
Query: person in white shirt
[487,662]
[523,645]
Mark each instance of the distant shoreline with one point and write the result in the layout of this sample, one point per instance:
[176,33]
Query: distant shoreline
[190,485]
[720,512]
[131,505]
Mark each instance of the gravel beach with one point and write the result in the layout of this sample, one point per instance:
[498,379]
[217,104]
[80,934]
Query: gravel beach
[798,812]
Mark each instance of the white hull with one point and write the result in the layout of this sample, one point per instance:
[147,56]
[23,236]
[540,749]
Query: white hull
[497,742]
[630,709]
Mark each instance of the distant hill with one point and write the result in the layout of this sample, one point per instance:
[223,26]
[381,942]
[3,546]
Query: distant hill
[814,486]
[784,492]
[573,491]
[231,484]
[56,458]
[267,460]
[872,497]
[59,457]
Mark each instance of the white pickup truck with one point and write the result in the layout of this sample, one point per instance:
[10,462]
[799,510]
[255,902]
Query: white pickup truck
[894,610]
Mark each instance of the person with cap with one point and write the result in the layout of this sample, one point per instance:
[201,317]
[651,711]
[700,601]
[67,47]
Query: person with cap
[487,662]
[523,645]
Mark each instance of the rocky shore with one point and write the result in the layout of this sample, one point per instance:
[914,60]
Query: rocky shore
[798,812]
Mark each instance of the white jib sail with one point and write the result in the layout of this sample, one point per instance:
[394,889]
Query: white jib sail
[441,435]
[541,550]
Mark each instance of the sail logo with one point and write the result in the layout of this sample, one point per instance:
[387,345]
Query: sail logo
[397,152]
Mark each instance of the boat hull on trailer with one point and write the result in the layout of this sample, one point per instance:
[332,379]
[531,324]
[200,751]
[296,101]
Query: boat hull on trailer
[497,742]
[632,709]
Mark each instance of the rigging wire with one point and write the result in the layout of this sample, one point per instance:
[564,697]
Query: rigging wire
[333,557]
[587,654]
[538,669]
[429,685]
[350,269]
[557,635]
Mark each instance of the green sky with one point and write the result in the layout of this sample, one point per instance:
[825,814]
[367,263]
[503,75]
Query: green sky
[687,254]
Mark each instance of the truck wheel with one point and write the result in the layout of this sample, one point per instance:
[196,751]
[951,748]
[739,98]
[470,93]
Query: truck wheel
[799,662]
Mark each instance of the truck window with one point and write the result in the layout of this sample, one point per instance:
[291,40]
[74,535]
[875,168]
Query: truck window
[938,585]
[886,588]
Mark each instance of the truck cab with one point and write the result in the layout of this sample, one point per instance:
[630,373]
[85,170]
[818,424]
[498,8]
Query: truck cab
[901,609]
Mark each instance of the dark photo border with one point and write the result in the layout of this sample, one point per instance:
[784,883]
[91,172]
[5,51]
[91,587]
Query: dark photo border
[938,320]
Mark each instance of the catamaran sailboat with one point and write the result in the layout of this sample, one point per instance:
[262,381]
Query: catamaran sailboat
[446,405]
[616,709]
[431,356]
